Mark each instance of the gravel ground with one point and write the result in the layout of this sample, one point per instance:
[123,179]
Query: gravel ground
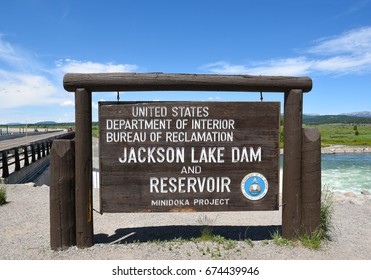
[25,232]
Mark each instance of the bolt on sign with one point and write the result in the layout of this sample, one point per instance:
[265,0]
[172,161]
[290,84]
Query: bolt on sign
[189,156]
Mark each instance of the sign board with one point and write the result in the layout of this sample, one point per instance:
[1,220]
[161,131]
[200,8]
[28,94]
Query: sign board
[189,156]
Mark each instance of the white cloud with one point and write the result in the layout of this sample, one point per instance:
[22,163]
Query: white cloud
[284,67]
[21,89]
[344,64]
[223,67]
[356,41]
[287,67]
[76,66]
[347,53]
[24,82]
[68,103]
[7,53]
[16,57]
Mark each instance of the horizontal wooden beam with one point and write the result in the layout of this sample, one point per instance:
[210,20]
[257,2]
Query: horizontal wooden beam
[183,82]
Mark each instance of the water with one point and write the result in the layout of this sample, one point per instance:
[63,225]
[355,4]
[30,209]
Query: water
[347,172]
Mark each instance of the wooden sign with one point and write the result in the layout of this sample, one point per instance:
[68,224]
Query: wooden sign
[189,156]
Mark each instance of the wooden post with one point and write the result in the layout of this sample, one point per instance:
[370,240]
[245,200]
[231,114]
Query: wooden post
[25,153]
[33,153]
[311,180]
[83,169]
[48,147]
[43,149]
[38,151]
[4,159]
[291,193]
[62,195]
[16,160]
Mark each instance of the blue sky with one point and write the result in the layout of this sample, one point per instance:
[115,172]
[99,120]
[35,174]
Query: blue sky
[41,40]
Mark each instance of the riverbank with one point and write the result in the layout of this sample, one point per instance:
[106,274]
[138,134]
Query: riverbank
[343,149]
[25,232]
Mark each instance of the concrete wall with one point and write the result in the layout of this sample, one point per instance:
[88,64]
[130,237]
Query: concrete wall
[44,178]
[29,173]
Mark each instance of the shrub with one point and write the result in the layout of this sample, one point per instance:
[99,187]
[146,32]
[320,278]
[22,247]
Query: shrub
[2,196]
[314,239]
[327,210]
[281,241]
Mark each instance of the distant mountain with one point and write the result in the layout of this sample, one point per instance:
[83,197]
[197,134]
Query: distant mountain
[45,123]
[31,124]
[13,124]
[334,119]
[364,114]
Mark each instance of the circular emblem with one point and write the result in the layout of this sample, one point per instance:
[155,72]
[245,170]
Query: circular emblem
[254,186]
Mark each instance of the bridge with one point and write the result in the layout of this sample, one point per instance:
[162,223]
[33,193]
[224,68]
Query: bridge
[24,158]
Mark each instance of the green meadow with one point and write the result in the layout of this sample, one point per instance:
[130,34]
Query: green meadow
[344,134]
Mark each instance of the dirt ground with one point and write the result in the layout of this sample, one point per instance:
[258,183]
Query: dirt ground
[25,232]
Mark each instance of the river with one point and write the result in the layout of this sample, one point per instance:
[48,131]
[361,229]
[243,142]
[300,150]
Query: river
[346,172]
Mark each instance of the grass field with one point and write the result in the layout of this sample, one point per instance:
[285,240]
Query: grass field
[344,134]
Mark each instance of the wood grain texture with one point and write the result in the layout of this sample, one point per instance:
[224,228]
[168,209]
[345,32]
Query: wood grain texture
[311,180]
[125,187]
[183,82]
[62,195]
[291,192]
[83,169]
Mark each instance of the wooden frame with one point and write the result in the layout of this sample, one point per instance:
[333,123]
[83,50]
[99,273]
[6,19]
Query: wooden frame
[84,84]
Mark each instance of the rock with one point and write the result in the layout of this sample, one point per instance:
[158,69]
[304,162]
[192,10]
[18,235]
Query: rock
[365,192]
[349,194]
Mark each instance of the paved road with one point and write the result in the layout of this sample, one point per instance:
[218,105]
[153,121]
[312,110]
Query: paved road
[8,144]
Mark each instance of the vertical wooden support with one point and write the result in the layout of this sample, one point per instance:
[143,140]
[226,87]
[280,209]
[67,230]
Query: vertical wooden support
[62,195]
[25,153]
[16,160]
[4,159]
[43,149]
[33,153]
[311,180]
[83,169]
[291,193]
[48,147]
[38,151]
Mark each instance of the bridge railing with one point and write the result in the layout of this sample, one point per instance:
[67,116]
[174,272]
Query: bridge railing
[15,158]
